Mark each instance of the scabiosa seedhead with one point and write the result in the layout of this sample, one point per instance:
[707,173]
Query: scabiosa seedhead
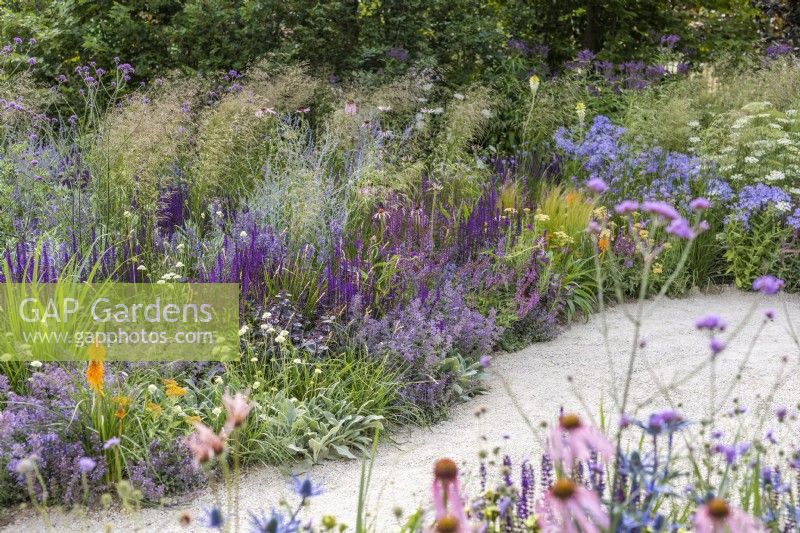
[305,488]
[769,285]
[626,207]
[699,204]
[711,323]
[597,185]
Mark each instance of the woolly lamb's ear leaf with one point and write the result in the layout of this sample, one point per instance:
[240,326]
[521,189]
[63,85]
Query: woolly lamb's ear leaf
[344,451]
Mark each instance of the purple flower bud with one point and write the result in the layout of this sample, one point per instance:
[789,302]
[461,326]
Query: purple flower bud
[781,413]
[485,361]
[716,345]
[768,285]
[594,227]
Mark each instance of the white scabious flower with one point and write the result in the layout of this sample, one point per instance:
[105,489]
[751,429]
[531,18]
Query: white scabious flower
[244,329]
[486,113]
[783,207]
[751,160]
[141,268]
[458,96]
[243,234]
[737,177]
[384,108]
[266,315]
[216,411]
[218,379]
[784,141]
[178,265]
[775,126]
[791,112]
[255,385]
[693,123]
[36,364]
[152,389]
[694,140]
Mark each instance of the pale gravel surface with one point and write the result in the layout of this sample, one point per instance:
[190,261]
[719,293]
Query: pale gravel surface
[537,376]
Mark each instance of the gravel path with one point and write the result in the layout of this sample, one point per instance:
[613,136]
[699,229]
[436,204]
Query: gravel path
[538,377]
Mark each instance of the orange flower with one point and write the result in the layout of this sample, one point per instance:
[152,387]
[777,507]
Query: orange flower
[94,376]
[571,197]
[602,244]
[121,412]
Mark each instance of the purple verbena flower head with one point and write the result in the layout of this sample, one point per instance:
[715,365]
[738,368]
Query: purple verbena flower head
[597,185]
[699,204]
[681,228]
[769,285]
[662,209]
[626,207]
[716,345]
[711,323]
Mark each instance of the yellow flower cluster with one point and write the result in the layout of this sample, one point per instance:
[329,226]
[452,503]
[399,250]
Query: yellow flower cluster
[172,389]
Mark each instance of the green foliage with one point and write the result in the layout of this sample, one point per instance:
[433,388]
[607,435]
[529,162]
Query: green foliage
[754,251]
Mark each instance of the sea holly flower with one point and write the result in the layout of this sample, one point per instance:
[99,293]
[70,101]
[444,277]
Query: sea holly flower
[214,518]
[717,515]
[305,488]
[573,440]
[567,505]
[666,421]
[769,285]
[274,522]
